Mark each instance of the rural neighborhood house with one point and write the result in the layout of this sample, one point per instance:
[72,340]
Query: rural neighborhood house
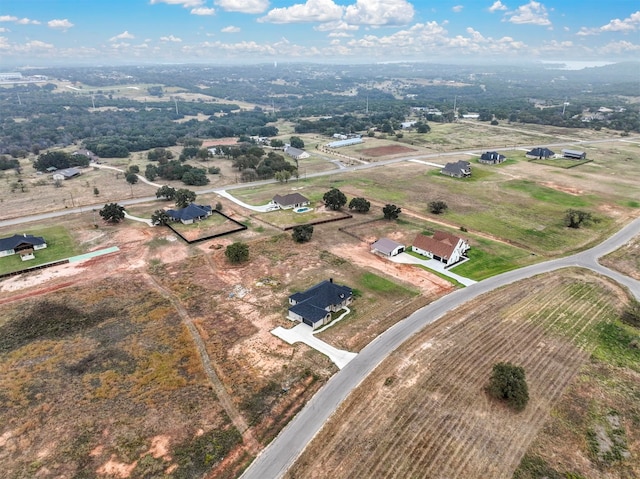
[458,169]
[540,154]
[292,200]
[445,247]
[574,154]
[315,305]
[24,245]
[491,158]
[190,213]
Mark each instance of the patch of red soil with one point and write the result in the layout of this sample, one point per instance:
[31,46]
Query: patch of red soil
[387,150]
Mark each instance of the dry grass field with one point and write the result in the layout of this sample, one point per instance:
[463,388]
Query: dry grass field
[424,411]
[626,259]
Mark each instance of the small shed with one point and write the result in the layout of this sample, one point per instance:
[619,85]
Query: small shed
[574,154]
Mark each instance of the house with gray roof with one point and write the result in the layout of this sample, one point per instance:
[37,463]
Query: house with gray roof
[295,153]
[540,153]
[458,169]
[574,154]
[314,306]
[387,247]
[292,200]
[491,158]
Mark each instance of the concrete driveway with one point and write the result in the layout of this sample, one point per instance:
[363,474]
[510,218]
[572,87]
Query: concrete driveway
[432,264]
[303,333]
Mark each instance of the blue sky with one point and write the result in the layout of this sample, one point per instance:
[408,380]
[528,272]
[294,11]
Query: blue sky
[43,32]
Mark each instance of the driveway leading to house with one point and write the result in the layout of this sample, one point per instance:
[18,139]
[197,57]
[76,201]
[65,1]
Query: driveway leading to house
[303,333]
[431,264]
[259,209]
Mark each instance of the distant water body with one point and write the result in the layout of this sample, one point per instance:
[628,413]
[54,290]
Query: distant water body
[576,65]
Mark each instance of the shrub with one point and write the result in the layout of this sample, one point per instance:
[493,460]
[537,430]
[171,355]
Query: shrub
[237,252]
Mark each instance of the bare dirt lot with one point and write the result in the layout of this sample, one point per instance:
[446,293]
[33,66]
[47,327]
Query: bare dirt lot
[424,412]
[387,150]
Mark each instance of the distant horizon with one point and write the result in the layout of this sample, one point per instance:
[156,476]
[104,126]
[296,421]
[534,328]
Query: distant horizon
[67,32]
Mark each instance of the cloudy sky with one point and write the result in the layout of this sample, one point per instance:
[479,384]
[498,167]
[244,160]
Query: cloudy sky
[43,32]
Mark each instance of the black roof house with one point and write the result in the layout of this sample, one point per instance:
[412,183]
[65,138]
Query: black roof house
[492,157]
[190,213]
[18,242]
[540,153]
[313,304]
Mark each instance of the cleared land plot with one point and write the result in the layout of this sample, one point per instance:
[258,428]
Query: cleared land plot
[94,381]
[424,412]
[387,150]
[626,259]
[214,225]
[288,218]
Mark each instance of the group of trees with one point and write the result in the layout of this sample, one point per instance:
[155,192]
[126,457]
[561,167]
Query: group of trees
[176,170]
[59,160]
[334,199]
[181,196]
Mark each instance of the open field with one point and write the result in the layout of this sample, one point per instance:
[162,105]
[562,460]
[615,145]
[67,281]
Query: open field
[216,224]
[626,259]
[424,412]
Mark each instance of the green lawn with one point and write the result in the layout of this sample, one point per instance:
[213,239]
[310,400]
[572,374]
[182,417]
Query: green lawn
[488,258]
[60,245]
[378,284]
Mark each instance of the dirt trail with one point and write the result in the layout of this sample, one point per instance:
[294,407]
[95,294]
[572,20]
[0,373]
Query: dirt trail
[218,387]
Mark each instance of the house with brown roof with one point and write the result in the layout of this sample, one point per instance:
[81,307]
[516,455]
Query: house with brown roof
[442,246]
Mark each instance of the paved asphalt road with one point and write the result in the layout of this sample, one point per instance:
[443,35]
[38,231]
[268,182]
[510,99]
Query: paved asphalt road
[280,454]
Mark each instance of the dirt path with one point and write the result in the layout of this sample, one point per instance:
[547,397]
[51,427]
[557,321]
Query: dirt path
[218,387]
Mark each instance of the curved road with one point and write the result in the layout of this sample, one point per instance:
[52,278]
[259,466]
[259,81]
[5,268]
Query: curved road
[280,454]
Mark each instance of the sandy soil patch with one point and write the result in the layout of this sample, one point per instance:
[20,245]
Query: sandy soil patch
[387,150]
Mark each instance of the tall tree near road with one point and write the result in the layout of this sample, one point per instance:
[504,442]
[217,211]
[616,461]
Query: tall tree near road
[334,199]
[112,212]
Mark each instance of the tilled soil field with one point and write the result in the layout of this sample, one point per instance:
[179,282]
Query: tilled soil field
[424,412]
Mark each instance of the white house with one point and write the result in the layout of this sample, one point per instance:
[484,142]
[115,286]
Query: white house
[444,247]
[292,200]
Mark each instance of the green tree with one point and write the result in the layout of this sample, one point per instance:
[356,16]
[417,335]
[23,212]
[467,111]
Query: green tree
[160,218]
[438,207]
[96,191]
[131,178]
[422,127]
[361,205]
[275,143]
[282,176]
[151,172]
[296,142]
[302,233]
[334,199]
[112,212]
[184,197]
[166,192]
[391,212]
[576,218]
[134,169]
[508,382]
[195,177]
[237,252]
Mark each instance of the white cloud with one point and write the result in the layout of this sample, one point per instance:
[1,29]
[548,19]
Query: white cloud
[620,47]
[243,6]
[203,11]
[171,38]
[27,21]
[4,43]
[457,8]
[379,12]
[184,3]
[339,35]
[37,45]
[336,26]
[122,36]
[533,12]
[62,24]
[498,5]
[230,29]
[627,25]
[311,11]
[8,18]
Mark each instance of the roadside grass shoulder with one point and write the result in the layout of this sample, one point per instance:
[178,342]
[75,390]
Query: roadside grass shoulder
[380,285]
[489,258]
[60,245]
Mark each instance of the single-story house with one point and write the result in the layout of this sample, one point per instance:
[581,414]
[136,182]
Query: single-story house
[292,200]
[296,153]
[190,213]
[407,124]
[314,306]
[387,247]
[540,153]
[68,173]
[23,244]
[458,169]
[574,154]
[491,158]
[442,246]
